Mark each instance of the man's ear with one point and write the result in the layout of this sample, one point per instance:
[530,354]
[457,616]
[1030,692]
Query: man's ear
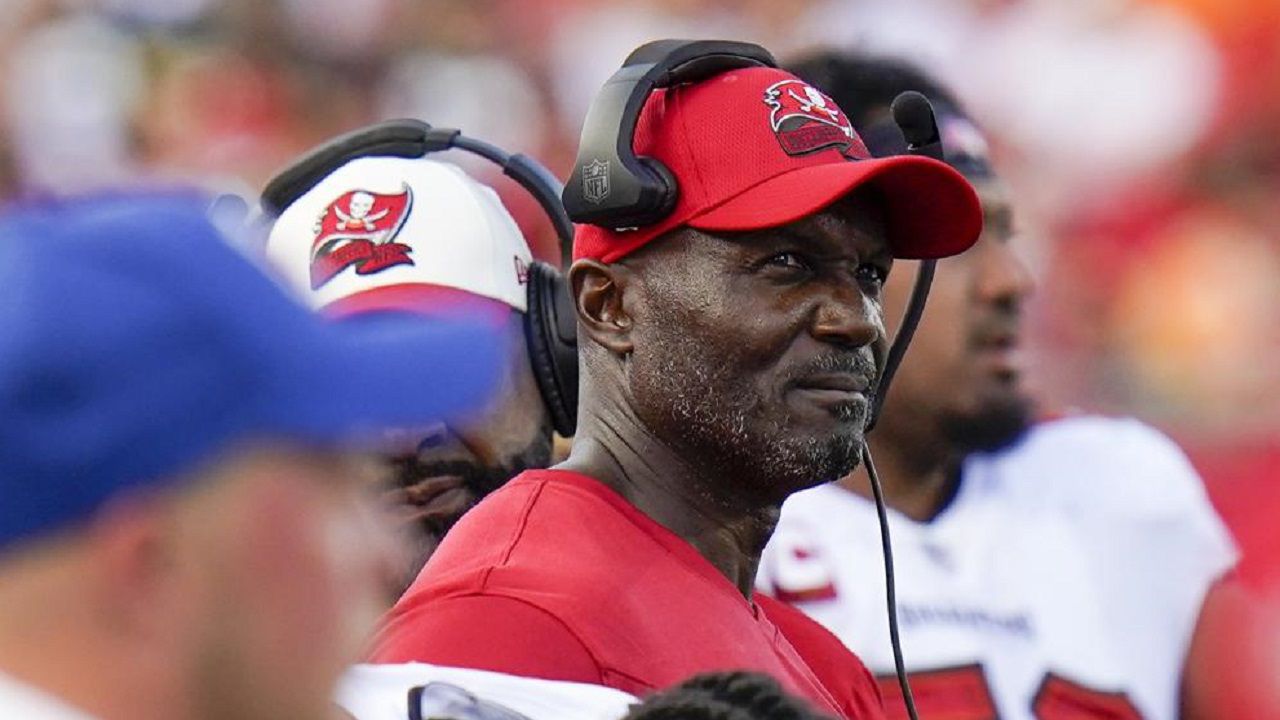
[598,291]
[132,564]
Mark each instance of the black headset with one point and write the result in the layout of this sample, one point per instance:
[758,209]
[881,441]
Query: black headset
[641,190]
[614,188]
[550,322]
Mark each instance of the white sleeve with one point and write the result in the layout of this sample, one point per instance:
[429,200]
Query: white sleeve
[1184,548]
[1142,511]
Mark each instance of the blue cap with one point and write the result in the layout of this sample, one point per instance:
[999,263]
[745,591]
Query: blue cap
[136,343]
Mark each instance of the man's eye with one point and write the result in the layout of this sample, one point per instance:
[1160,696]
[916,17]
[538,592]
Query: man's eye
[787,260]
[872,274]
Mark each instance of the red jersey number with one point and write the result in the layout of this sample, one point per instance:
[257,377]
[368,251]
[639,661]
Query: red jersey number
[1062,699]
[955,693]
[962,693]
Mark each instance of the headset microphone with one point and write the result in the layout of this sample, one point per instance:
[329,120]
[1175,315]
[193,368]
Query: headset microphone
[914,116]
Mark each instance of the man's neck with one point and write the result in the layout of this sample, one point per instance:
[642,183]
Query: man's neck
[707,511]
[918,474]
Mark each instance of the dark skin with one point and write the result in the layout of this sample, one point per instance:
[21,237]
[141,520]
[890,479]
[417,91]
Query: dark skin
[960,388]
[724,373]
[439,473]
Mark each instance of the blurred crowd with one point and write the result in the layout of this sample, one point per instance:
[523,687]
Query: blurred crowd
[1138,136]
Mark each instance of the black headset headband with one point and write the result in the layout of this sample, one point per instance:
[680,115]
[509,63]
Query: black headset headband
[640,191]
[415,139]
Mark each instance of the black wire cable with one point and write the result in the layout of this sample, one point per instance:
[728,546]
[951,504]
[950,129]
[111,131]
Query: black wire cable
[891,596]
[914,116]
[906,331]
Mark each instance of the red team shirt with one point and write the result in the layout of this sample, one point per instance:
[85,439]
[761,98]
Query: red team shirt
[557,576]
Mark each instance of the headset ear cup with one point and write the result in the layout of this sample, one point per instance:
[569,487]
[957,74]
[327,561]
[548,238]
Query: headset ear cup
[550,326]
[669,193]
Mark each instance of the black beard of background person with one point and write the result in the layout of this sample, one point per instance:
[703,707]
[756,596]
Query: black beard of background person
[960,390]
[998,411]
[437,492]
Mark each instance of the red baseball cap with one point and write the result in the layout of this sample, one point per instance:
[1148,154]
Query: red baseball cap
[758,147]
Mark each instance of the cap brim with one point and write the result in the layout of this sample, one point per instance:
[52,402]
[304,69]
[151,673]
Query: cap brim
[361,376]
[433,301]
[932,211]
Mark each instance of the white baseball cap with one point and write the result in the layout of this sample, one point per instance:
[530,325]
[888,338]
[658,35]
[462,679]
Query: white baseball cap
[391,233]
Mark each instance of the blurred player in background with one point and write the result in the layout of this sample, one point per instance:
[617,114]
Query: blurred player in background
[1046,569]
[385,235]
[184,531]
[728,352]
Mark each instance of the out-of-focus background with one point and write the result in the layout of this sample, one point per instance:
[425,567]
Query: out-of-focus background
[1141,139]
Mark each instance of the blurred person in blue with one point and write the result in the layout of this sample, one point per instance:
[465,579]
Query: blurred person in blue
[367,234]
[1047,568]
[185,526]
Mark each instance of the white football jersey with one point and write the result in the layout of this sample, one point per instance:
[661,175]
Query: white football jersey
[382,692]
[1063,580]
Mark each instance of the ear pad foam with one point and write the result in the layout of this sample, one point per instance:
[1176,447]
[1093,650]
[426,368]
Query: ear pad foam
[551,332]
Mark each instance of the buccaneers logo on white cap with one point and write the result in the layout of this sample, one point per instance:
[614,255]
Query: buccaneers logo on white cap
[805,120]
[359,229]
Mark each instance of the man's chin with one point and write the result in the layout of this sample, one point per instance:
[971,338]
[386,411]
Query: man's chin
[805,461]
[998,424]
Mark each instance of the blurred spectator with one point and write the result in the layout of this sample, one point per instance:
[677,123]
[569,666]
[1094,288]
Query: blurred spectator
[186,530]
[488,96]
[71,87]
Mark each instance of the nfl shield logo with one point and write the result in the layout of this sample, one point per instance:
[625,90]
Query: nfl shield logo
[595,181]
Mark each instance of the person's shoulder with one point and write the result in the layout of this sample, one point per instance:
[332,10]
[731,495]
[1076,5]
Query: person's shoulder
[381,692]
[804,633]
[553,539]
[517,514]
[501,631]
[839,669]
[1092,463]
[486,533]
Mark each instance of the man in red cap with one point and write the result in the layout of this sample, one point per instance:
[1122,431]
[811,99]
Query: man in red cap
[729,356]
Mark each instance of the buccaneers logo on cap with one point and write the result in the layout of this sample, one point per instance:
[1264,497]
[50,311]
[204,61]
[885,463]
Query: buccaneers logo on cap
[805,120]
[358,229]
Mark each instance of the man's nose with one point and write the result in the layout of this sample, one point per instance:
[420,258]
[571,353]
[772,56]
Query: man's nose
[1003,277]
[849,318]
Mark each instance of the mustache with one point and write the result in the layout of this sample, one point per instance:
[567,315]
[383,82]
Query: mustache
[993,333]
[860,362]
